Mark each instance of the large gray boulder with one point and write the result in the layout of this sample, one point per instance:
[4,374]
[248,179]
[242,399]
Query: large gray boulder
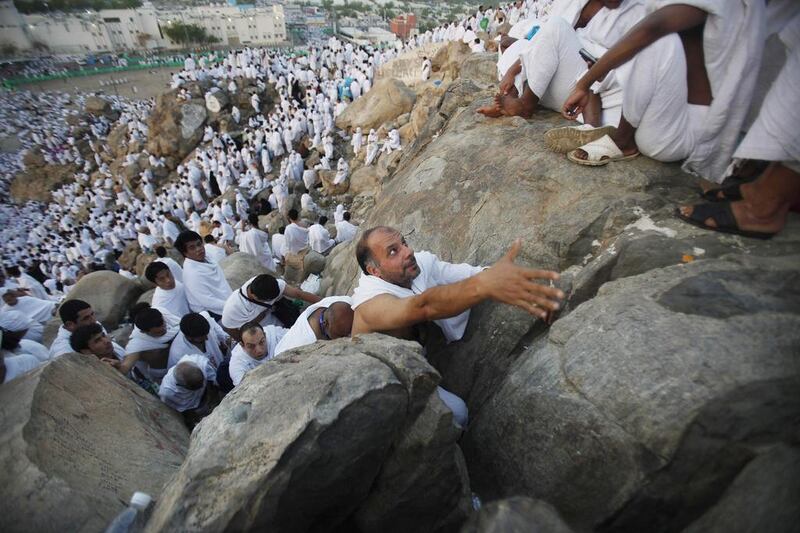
[240,267]
[602,403]
[545,424]
[481,68]
[342,434]
[109,294]
[175,127]
[78,439]
[388,99]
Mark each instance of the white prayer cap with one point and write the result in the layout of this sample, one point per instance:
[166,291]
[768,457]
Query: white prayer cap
[14,321]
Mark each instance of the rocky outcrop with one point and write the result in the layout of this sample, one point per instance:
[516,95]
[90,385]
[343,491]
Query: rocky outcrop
[480,68]
[446,63]
[345,434]
[589,414]
[240,267]
[516,515]
[39,179]
[109,294]
[77,440]
[388,99]
[175,128]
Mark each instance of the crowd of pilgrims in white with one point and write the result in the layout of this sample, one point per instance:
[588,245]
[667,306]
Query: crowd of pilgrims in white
[197,324]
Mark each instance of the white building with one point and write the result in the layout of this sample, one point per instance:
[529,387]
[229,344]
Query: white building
[118,30]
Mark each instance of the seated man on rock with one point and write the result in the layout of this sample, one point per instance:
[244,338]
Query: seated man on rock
[756,202]
[398,290]
[262,299]
[199,334]
[73,314]
[319,238]
[548,63]
[205,284]
[169,293]
[149,343]
[14,326]
[92,340]
[330,318]
[38,310]
[257,346]
[345,230]
[190,388]
[689,69]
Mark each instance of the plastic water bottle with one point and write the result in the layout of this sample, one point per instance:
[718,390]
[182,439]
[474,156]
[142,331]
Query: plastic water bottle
[134,517]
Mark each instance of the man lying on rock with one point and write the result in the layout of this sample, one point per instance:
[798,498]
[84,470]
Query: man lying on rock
[398,290]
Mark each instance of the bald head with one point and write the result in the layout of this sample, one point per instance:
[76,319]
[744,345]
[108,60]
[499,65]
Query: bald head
[189,376]
[340,320]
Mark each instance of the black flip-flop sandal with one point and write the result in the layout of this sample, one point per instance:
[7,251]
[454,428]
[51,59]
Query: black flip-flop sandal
[722,215]
[730,193]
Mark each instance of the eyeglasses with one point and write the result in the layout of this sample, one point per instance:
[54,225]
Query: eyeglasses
[323,325]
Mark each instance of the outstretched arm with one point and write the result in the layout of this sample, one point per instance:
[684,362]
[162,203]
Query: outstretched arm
[669,19]
[504,282]
[298,294]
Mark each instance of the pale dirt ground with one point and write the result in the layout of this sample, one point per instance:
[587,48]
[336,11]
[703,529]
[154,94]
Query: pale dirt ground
[148,83]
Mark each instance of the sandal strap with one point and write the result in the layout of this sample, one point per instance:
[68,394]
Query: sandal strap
[604,146]
[719,212]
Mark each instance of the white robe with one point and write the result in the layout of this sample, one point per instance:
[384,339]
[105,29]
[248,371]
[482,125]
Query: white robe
[173,301]
[180,346]
[320,239]
[206,286]
[239,310]
[256,242]
[733,40]
[19,365]
[241,363]
[301,334]
[34,308]
[433,273]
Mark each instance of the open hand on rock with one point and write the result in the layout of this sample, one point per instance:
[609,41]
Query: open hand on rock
[516,285]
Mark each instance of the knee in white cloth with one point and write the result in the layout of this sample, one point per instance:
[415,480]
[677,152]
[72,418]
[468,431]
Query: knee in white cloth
[455,404]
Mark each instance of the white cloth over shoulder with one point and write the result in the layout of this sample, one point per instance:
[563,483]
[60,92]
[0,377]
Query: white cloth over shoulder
[241,363]
[34,308]
[174,267]
[433,273]
[301,333]
[181,346]
[174,301]
[180,398]
[206,286]
[19,365]
[239,310]
[140,341]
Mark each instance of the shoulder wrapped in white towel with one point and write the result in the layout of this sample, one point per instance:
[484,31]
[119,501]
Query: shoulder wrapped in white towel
[433,273]
[301,334]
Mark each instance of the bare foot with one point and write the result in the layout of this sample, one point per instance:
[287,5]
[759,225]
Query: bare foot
[513,107]
[492,110]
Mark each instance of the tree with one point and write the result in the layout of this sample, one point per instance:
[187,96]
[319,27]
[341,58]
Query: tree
[179,32]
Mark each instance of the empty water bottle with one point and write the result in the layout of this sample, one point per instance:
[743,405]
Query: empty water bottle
[134,518]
